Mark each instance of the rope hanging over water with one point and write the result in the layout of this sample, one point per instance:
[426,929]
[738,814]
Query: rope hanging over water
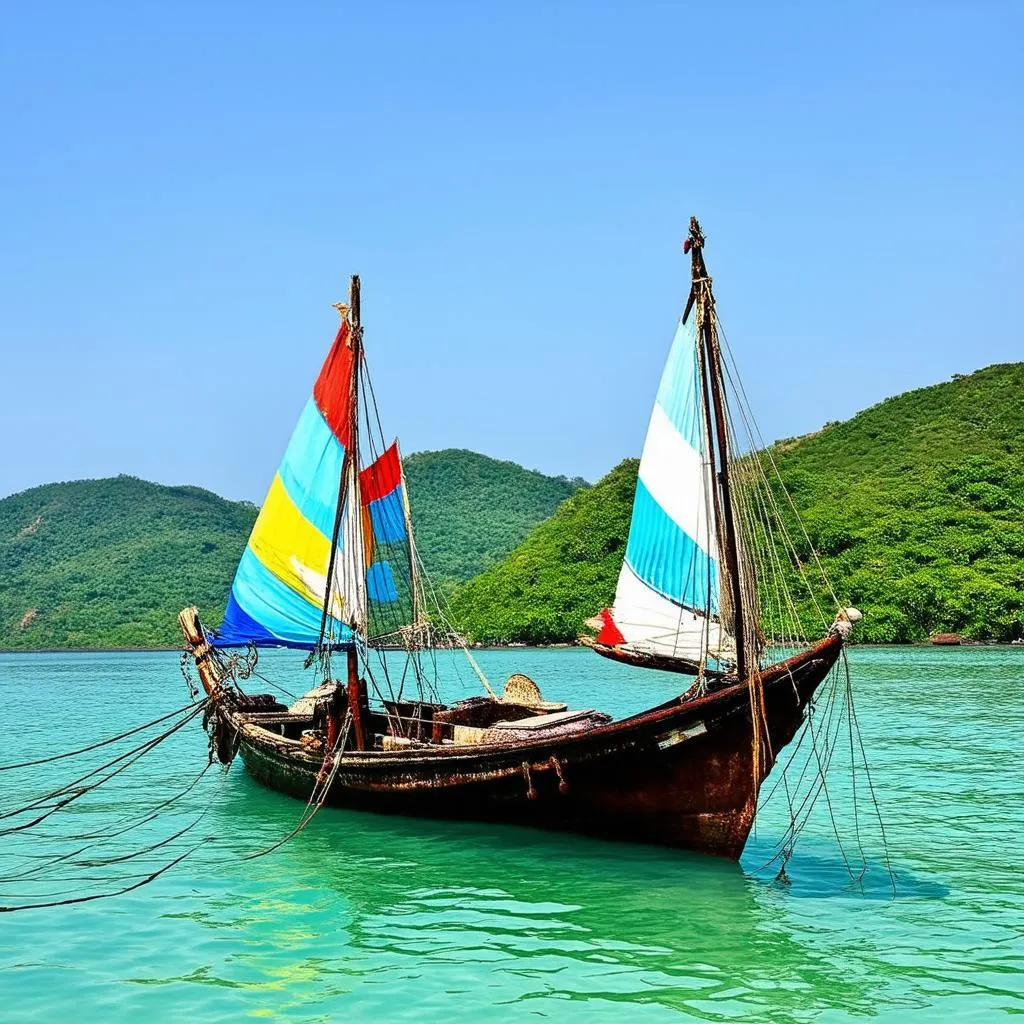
[45,867]
[61,866]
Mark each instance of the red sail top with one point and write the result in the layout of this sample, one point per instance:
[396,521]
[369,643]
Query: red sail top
[380,478]
[332,391]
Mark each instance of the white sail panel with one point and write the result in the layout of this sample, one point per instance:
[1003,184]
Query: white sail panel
[669,468]
[667,598]
[350,562]
[653,624]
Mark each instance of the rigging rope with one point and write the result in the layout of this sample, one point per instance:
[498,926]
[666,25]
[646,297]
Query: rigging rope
[98,744]
[764,524]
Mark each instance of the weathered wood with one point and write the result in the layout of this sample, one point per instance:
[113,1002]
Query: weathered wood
[713,365]
[356,700]
[643,659]
[195,640]
[679,775]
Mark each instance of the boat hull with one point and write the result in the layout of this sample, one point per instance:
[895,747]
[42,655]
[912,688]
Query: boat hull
[680,775]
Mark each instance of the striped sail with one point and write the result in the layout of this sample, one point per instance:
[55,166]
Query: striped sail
[388,555]
[278,593]
[667,600]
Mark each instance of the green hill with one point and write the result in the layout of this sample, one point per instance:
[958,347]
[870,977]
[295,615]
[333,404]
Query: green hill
[563,572]
[916,506]
[98,563]
[470,511]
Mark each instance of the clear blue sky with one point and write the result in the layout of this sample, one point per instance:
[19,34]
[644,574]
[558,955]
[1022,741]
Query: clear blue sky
[185,187]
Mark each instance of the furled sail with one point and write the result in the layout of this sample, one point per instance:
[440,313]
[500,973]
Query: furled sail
[668,598]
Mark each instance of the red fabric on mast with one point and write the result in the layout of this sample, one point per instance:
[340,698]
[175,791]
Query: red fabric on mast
[381,477]
[610,634]
[332,391]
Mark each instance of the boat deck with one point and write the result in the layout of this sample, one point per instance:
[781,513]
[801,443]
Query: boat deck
[398,725]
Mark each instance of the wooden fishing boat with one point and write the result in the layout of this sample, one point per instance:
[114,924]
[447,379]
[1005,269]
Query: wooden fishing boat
[331,567]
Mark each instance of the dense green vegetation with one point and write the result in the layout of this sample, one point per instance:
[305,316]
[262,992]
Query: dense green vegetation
[470,510]
[98,563]
[915,505]
[563,572]
[111,562]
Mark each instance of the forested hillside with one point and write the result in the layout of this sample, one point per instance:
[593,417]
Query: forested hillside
[98,563]
[563,572]
[916,506]
[470,510]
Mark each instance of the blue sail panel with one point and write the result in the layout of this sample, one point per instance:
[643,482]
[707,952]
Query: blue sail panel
[667,559]
[311,469]
[263,610]
[387,516]
[679,393]
[380,583]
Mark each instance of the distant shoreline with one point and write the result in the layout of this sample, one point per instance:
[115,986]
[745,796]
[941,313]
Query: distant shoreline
[484,647]
[87,650]
[179,648]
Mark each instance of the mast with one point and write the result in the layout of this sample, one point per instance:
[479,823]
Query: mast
[355,324]
[705,302]
[326,612]
[353,682]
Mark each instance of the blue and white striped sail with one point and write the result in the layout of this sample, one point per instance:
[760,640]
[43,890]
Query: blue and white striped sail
[667,601]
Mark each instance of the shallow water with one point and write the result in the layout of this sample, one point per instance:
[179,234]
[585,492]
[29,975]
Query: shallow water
[363,917]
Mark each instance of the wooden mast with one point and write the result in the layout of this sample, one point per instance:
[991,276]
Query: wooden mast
[705,301]
[354,685]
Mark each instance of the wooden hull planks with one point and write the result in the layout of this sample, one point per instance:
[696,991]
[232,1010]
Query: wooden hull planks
[679,775]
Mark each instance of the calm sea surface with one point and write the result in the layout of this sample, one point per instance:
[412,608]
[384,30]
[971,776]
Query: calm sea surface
[370,918]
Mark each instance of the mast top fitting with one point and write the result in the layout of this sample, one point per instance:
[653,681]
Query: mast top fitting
[696,237]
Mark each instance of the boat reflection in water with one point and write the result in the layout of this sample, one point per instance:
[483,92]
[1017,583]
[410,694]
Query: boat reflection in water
[400,912]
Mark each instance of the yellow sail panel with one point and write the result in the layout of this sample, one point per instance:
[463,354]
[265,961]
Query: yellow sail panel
[290,547]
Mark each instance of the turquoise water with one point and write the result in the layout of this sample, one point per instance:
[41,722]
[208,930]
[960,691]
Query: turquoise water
[364,918]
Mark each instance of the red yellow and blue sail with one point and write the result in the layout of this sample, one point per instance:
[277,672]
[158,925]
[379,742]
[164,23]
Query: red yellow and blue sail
[277,597]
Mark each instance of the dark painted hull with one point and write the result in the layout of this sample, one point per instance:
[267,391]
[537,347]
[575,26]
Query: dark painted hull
[638,659]
[679,775]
